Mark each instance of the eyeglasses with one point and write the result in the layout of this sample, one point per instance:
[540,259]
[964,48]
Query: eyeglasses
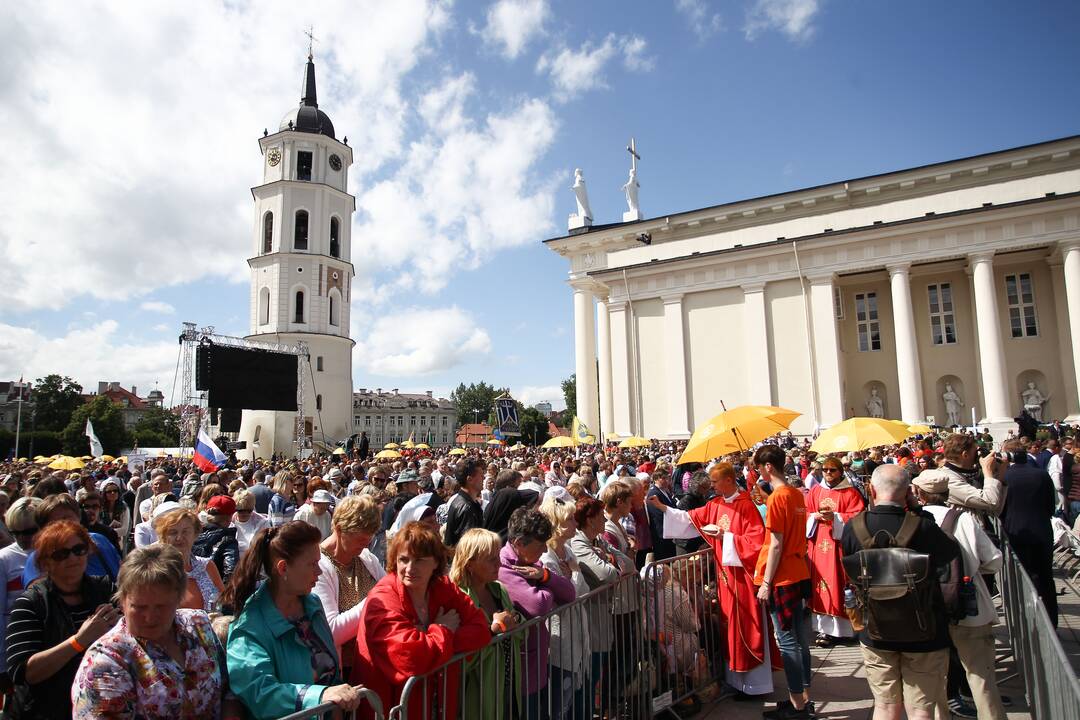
[112,491]
[64,553]
[831,470]
[25,532]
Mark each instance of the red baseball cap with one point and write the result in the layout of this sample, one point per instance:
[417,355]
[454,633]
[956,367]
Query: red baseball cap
[221,505]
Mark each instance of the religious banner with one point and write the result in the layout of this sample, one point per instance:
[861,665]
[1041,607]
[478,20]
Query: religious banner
[507,415]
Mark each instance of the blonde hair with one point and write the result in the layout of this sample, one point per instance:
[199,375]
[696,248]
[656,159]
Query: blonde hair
[559,513]
[244,500]
[156,564]
[477,542]
[164,524]
[614,493]
[21,512]
[357,513]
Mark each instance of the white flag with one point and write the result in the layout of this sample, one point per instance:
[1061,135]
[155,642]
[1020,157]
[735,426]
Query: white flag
[95,444]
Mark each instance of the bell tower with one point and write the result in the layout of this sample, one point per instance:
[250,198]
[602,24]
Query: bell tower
[301,273]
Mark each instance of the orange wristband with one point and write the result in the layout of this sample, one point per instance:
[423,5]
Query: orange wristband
[74,643]
[546,576]
[500,625]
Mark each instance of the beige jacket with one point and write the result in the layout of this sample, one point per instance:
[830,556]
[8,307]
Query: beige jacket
[987,501]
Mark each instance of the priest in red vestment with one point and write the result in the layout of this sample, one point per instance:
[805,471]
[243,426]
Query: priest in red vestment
[828,506]
[731,524]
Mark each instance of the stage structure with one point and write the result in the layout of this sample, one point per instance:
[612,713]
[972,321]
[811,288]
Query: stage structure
[196,391]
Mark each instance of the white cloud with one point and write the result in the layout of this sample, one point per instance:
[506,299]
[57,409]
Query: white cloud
[130,128]
[89,354]
[419,341]
[464,190]
[157,306]
[529,395]
[793,18]
[698,14]
[574,72]
[511,24]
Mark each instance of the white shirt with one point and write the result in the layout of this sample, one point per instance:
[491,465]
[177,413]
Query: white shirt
[144,534]
[343,625]
[245,531]
[980,556]
[307,514]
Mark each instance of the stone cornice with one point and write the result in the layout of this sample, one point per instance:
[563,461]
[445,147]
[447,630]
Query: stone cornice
[990,168]
[932,240]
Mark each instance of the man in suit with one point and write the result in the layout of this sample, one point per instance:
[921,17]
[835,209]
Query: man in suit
[1025,518]
[663,548]
[900,674]
[363,445]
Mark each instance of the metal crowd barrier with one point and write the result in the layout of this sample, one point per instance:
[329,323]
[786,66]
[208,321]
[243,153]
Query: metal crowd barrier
[1052,687]
[596,664]
[330,711]
[684,627]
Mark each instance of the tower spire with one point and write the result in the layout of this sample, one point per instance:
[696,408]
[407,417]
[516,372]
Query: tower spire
[308,94]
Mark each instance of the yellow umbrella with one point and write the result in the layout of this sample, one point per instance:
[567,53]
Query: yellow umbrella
[422,446]
[611,436]
[635,441]
[387,454]
[588,440]
[559,441]
[122,459]
[390,446]
[493,441]
[22,460]
[107,458]
[87,457]
[339,451]
[66,463]
[408,444]
[860,433]
[736,429]
[457,451]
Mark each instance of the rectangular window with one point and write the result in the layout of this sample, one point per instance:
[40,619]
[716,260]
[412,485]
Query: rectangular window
[400,420]
[1020,295]
[318,363]
[444,421]
[942,317]
[303,165]
[866,321]
[367,421]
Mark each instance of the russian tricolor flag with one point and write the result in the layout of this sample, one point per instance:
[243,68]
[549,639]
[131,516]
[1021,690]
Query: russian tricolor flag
[208,457]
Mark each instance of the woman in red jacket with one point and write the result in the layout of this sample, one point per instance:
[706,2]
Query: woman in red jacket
[414,620]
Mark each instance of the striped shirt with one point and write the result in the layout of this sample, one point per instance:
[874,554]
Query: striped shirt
[25,630]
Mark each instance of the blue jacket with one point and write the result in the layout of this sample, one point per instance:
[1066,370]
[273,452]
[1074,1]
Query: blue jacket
[269,668]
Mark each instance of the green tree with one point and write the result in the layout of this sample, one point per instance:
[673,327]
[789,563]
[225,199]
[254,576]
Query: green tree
[475,402]
[108,426]
[534,426]
[55,399]
[569,392]
[157,428]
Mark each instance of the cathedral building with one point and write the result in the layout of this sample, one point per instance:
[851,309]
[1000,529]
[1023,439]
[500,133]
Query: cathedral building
[301,274]
[948,292]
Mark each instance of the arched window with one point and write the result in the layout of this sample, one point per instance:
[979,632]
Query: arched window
[298,316]
[333,309]
[264,306]
[300,232]
[335,237]
[268,233]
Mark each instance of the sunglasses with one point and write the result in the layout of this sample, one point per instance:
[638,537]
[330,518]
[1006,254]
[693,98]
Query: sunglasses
[64,553]
[112,491]
[25,532]
[831,470]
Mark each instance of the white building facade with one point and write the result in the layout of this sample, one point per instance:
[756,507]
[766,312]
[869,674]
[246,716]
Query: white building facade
[392,416]
[945,291]
[301,274]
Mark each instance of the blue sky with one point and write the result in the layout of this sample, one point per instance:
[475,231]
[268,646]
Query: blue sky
[132,136]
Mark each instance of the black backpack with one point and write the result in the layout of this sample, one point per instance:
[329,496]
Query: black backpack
[893,584]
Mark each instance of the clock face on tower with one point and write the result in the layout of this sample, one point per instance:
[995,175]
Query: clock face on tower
[273,156]
[335,163]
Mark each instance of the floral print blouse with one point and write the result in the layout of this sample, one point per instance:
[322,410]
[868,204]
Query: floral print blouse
[124,677]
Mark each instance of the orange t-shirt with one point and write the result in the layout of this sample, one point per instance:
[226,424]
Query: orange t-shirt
[785,513]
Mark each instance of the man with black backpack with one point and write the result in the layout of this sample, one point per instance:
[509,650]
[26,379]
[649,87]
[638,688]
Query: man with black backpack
[893,553]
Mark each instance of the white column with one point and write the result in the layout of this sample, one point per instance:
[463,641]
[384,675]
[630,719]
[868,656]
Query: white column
[991,348]
[585,356]
[622,367]
[908,372]
[675,361]
[603,356]
[1070,255]
[830,386]
[755,332]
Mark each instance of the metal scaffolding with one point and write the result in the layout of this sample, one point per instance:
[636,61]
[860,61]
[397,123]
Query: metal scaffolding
[193,408]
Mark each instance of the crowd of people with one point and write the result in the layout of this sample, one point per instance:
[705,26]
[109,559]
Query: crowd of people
[270,587]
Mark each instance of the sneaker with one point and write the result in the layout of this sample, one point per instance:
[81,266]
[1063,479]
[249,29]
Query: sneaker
[959,708]
[810,708]
[786,711]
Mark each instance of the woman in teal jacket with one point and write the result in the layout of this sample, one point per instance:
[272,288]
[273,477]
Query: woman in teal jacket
[281,654]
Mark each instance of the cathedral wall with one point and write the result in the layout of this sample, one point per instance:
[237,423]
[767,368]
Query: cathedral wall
[789,375]
[652,358]
[716,353]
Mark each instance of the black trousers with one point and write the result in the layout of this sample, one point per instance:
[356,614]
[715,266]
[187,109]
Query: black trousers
[1038,559]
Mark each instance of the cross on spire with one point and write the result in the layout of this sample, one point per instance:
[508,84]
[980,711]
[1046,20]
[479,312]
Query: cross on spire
[634,157]
[311,41]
